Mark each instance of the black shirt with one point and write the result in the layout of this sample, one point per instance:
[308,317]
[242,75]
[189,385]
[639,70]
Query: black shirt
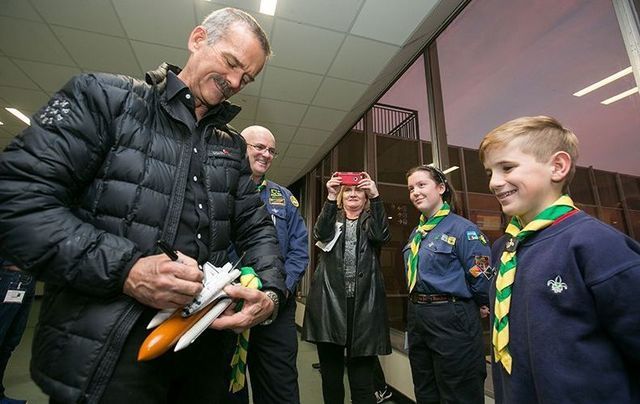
[193,230]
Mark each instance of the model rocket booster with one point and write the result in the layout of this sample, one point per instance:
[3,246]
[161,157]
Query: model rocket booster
[183,326]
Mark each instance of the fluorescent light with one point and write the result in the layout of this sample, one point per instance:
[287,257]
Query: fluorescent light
[603,82]
[619,96]
[19,115]
[1,123]
[450,169]
[268,7]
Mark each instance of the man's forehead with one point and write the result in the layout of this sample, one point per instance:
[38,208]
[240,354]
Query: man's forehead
[259,136]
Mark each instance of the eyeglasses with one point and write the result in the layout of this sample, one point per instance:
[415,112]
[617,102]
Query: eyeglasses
[261,148]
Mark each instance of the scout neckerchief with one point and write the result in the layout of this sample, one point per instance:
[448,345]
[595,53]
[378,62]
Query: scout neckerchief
[262,185]
[507,272]
[423,229]
[248,279]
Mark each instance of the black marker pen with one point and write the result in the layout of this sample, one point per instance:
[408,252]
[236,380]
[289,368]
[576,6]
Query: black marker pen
[168,250]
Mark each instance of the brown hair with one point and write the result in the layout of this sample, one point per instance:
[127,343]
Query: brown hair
[449,194]
[541,136]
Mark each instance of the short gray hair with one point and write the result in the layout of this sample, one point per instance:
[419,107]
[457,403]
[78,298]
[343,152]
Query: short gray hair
[218,23]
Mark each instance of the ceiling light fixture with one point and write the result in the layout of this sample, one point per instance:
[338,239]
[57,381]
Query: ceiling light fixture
[19,115]
[603,82]
[619,96]
[450,169]
[268,7]
[1,123]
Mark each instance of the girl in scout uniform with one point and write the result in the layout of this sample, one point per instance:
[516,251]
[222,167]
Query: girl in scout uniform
[446,262]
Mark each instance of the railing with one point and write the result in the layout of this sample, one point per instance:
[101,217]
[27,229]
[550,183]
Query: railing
[393,121]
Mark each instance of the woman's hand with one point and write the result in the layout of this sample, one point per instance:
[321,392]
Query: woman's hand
[368,186]
[333,187]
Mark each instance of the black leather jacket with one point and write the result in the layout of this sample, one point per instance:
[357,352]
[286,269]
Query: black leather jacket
[88,189]
[325,318]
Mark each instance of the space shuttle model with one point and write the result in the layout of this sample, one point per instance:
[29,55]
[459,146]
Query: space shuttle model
[180,327]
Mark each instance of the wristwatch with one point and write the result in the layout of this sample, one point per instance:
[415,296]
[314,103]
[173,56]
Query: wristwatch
[276,304]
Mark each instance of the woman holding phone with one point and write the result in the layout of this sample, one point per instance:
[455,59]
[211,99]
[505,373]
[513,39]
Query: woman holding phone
[346,307]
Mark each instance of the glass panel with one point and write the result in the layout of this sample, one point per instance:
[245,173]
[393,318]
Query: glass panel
[477,179]
[427,154]
[395,157]
[410,92]
[455,176]
[614,218]
[560,49]
[635,222]
[326,166]
[607,189]
[351,152]
[485,211]
[631,189]
[403,217]
[580,188]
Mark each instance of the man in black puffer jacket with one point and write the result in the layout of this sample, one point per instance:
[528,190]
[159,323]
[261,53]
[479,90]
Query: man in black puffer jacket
[107,168]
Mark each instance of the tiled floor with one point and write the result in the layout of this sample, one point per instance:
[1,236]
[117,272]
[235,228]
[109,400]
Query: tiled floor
[19,384]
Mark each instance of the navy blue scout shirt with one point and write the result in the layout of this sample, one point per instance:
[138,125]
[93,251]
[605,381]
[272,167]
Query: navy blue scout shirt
[292,232]
[453,259]
[574,321]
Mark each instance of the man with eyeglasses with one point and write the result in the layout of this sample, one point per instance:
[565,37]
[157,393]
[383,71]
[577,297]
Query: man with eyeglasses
[274,347]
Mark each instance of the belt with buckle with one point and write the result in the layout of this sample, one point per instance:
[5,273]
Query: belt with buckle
[423,298]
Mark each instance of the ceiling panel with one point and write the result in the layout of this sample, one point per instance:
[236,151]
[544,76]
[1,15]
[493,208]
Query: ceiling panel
[280,112]
[301,150]
[204,8]
[170,22]
[95,52]
[332,14]
[401,17]
[95,15]
[292,162]
[314,137]
[289,85]
[302,47]
[31,41]
[339,94]
[322,118]
[151,56]
[248,105]
[361,59]
[19,9]
[49,77]
[27,101]
[10,75]
[282,133]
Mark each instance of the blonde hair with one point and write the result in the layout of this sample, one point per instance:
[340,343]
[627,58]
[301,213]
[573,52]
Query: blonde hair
[541,136]
[340,196]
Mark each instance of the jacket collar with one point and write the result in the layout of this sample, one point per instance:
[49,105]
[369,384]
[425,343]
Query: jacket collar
[223,112]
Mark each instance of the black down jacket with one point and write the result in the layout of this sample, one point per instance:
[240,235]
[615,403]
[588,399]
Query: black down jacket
[89,188]
[325,318]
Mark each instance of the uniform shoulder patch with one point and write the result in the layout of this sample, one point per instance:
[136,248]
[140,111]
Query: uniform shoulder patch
[276,197]
[294,201]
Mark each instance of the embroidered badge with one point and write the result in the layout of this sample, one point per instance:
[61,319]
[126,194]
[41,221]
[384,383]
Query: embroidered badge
[275,197]
[55,111]
[475,271]
[451,240]
[472,235]
[483,239]
[444,238]
[482,262]
[557,286]
[294,201]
